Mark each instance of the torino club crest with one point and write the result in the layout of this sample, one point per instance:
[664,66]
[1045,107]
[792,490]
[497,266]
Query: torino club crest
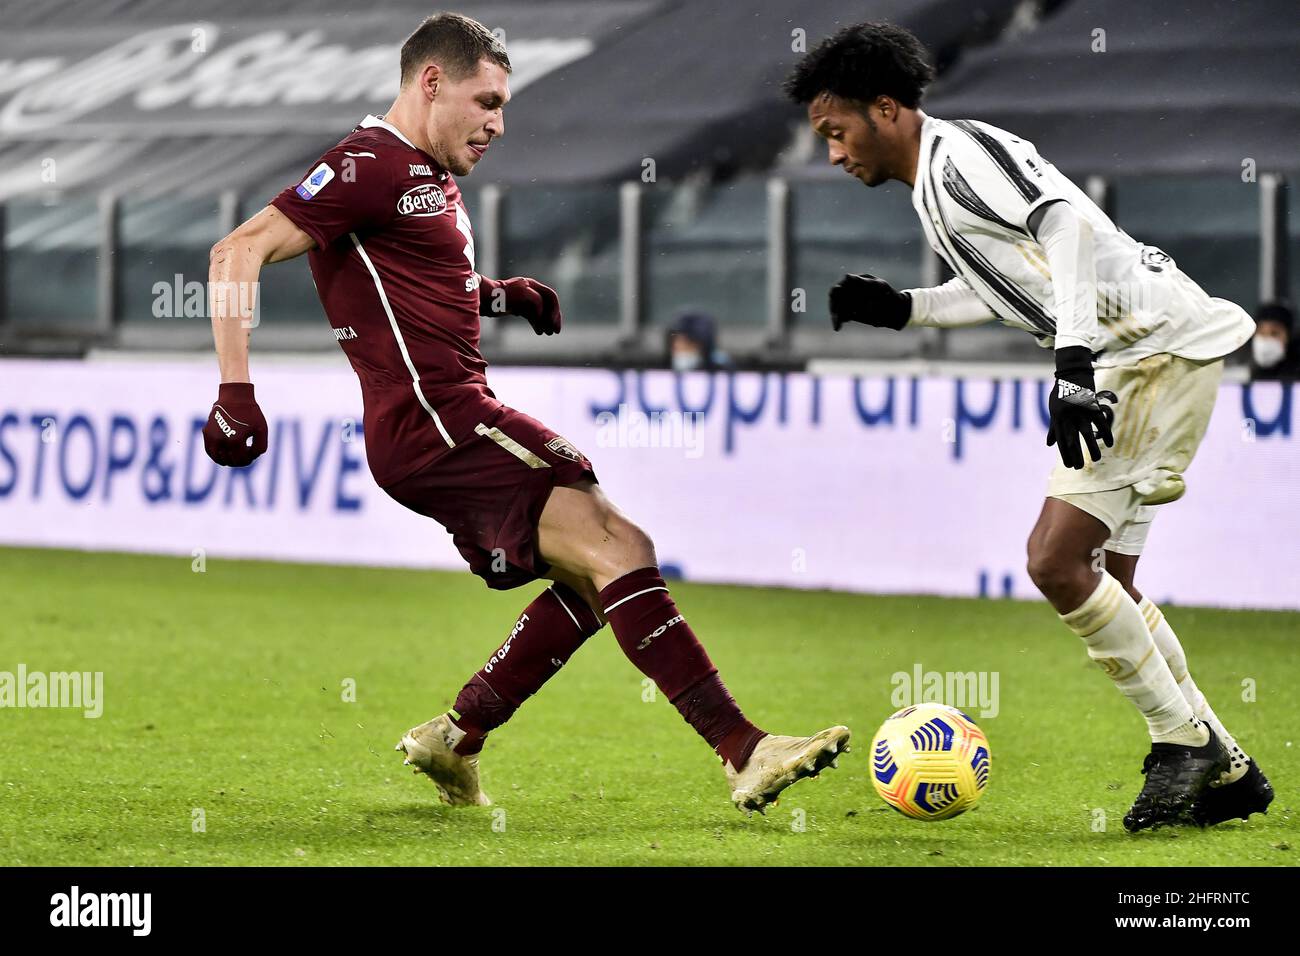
[424,200]
[562,446]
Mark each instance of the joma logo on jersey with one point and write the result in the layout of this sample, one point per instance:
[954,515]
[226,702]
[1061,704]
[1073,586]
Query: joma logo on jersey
[424,200]
[645,641]
[419,169]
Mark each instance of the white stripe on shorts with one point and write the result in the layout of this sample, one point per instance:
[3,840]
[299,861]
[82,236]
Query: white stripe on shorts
[510,445]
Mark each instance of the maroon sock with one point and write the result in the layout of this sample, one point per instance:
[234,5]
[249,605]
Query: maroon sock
[656,638]
[542,641]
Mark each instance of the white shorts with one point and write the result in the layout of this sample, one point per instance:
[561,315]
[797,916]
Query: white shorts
[1164,408]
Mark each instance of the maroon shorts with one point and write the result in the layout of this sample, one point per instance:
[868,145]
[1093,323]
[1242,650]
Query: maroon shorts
[489,492]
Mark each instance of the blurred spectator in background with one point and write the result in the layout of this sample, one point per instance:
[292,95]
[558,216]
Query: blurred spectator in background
[1273,351]
[693,344]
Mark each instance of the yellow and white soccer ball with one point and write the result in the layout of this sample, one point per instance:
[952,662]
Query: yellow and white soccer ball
[930,762]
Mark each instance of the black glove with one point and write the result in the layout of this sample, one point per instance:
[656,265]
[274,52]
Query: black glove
[870,301]
[1076,409]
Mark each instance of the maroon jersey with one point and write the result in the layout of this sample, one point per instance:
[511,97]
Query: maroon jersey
[394,268]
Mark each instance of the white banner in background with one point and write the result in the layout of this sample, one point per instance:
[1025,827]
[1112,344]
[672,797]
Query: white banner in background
[895,484]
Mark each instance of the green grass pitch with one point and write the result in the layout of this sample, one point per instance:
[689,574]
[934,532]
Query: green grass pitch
[224,693]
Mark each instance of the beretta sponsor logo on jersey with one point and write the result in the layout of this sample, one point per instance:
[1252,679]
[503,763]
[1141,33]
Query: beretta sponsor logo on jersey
[425,199]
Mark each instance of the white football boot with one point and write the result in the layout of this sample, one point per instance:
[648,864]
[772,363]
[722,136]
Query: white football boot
[778,762]
[429,749]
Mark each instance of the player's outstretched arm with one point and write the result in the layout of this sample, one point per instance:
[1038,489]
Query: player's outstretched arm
[523,297]
[234,265]
[952,305]
[236,431]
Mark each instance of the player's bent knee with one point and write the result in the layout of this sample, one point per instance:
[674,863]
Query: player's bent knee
[586,535]
[1035,557]
[620,546]
[631,548]
[1050,570]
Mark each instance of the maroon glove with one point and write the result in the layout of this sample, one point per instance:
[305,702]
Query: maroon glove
[526,298]
[236,431]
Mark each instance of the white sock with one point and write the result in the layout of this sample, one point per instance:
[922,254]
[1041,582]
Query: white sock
[1172,651]
[1118,640]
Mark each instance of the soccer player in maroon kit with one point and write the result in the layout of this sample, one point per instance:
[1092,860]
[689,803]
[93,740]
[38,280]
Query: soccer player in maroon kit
[392,254]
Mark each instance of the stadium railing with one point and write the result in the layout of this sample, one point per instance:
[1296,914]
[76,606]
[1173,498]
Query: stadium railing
[757,252]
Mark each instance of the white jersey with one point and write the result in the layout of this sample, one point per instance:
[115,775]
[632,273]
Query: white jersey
[976,186]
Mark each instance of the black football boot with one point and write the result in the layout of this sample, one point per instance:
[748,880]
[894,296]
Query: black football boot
[1176,775]
[1251,793]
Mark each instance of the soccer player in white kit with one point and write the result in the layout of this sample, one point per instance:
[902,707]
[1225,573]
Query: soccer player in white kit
[1139,351]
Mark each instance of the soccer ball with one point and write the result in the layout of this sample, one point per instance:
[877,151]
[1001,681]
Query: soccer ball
[930,762]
